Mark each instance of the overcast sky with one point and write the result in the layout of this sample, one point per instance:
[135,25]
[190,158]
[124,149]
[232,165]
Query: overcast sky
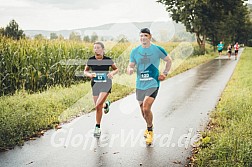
[74,14]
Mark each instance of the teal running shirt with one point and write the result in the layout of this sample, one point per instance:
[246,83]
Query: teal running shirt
[147,62]
[220,46]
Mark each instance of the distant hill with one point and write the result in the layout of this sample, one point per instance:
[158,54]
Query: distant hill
[162,31]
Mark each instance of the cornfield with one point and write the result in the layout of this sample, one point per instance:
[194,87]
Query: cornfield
[35,65]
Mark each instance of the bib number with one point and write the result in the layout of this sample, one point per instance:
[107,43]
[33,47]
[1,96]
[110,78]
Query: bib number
[145,76]
[100,77]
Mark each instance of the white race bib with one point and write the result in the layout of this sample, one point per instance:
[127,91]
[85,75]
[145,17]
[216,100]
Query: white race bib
[145,76]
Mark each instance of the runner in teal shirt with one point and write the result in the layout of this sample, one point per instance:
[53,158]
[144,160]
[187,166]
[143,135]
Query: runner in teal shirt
[220,47]
[146,59]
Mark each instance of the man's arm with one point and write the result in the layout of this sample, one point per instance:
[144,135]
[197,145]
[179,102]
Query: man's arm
[130,68]
[168,64]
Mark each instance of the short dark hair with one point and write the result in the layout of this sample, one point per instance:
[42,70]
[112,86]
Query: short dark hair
[145,30]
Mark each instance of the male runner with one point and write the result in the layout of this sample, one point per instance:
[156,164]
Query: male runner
[146,58]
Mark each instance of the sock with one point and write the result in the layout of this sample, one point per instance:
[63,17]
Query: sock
[106,106]
[97,125]
[149,128]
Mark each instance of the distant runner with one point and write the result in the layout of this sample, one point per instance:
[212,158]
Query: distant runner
[220,47]
[229,50]
[236,48]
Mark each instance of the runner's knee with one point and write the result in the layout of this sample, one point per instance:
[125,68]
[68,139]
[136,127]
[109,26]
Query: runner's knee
[99,107]
[146,109]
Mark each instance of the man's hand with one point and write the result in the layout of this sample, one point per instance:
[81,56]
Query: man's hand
[161,77]
[130,70]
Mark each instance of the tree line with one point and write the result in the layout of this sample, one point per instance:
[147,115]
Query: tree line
[213,20]
[13,31]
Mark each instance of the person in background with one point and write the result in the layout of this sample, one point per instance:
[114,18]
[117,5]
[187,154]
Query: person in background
[229,51]
[236,48]
[220,48]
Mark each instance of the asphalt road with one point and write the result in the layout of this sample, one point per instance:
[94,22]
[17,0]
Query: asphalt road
[180,111]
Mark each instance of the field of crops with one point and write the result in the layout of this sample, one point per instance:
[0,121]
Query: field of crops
[35,65]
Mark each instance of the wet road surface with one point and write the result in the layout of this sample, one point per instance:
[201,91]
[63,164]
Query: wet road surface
[180,111]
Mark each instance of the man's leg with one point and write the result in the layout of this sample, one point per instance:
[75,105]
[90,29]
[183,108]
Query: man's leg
[146,110]
[148,116]
[146,99]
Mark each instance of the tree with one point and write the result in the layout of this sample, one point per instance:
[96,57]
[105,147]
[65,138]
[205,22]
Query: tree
[250,10]
[12,31]
[94,37]
[190,13]
[53,36]
[206,18]
[39,37]
[233,24]
[242,23]
[248,32]
[75,36]
[61,37]
[86,38]
[1,31]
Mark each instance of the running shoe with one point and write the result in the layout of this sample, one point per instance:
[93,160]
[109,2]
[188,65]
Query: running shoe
[149,138]
[97,132]
[106,109]
[145,133]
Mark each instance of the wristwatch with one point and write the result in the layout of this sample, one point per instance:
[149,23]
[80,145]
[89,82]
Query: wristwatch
[165,73]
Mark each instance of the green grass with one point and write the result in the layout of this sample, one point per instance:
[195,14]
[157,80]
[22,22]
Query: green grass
[228,138]
[24,115]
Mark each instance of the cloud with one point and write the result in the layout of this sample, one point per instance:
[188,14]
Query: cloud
[74,14]
[13,3]
[74,4]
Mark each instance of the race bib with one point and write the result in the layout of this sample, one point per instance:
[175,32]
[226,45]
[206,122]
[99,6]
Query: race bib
[100,77]
[145,76]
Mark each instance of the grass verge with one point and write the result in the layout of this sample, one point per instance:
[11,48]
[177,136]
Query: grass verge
[227,139]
